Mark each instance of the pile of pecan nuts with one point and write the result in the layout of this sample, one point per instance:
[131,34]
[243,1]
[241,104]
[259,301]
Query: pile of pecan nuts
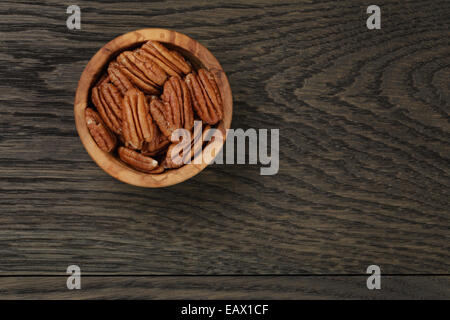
[144,96]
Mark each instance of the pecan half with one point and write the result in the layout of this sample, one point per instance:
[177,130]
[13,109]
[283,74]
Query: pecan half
[137,160]
[205,96]
[107,100]
[174,111]
[164,116]
[126,80]
[171,61]
[137,121]
[99,132]
[118,78]
[176,93]
[146,75]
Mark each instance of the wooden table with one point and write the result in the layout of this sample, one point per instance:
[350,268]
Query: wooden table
[364,157]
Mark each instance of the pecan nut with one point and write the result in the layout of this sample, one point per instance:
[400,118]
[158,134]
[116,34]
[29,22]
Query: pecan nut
[126,80]
[107,100]
[205,96]
[137,160]
[99,132]
[118,78]
[174,111]
[170,61]
[138,125]
[146,75]
[164,116]
[176,93]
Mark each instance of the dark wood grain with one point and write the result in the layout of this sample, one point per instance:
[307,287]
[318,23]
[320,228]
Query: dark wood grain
[364,143]
[235,288]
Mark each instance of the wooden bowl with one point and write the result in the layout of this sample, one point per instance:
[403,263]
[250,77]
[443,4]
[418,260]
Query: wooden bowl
[199,57]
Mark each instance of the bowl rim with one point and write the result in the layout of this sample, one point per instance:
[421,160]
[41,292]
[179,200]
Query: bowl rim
[96,65]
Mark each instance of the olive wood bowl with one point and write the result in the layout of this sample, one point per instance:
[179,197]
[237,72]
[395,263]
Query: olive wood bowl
[197,54]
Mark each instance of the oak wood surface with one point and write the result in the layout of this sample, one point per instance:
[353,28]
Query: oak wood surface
[364,144]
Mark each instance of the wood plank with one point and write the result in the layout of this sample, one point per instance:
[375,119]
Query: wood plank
[238,288]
